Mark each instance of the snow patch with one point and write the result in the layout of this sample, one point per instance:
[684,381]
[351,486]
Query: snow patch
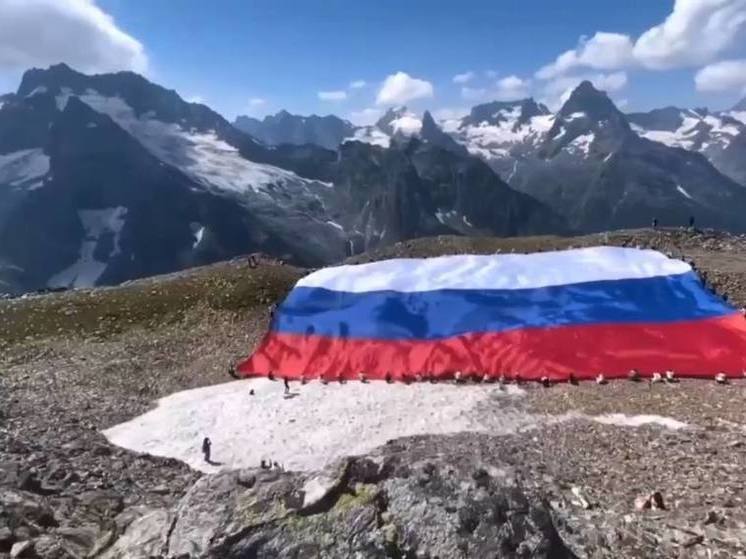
[37,91]
[62,98]
[582,143]
[442,216]
[575,116]
[24,168]
[317,425]
[624,420]
[86,270]
[684,192]
[335,224]
[198,231]
[203,155]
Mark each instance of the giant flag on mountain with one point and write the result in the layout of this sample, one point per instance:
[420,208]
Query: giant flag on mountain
[574,312]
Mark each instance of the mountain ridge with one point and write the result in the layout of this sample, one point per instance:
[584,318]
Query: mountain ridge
[121,178]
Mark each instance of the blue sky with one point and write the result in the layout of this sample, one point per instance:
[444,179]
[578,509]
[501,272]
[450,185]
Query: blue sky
[259,56]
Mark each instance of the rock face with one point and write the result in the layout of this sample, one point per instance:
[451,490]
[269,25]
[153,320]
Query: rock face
[285,128]
[365,507]
[107,178]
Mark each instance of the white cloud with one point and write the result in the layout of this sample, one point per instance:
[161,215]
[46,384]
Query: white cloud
[195,99]
[257,102]
[463,78]
[365,117]
[726,75]
[340,95]
[491,74]
[558,90]
[45,32]
[694,33]
[358,84]
[512,88]
[401,88]
[603,51]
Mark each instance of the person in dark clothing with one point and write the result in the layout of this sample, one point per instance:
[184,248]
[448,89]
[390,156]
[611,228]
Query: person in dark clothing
[206,446]
[691,221]
[287,385]
[655,223]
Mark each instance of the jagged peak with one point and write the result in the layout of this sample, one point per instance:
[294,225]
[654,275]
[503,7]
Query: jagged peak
[585,98]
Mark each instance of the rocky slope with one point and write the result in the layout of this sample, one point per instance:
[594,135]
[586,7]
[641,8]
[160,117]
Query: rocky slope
[94,358]
[109,177]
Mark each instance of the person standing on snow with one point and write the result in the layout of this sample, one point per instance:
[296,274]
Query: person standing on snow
[206,446]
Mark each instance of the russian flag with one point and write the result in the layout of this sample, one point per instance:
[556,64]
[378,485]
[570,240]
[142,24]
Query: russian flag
[575,312]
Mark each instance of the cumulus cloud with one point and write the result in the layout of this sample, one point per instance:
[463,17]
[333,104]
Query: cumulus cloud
[512,88]
[558,90]
[463,78]
[340,95]
[365,117]
[603,51]
[257,102]
[358,84]
[401,88]
[694,33]
[78,32]
[726,75]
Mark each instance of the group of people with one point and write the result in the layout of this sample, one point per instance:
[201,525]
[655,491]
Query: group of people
[691,222]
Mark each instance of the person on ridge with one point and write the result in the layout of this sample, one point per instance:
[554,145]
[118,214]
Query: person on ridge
[655,223]
[206,446]
[691,222]
[287,385]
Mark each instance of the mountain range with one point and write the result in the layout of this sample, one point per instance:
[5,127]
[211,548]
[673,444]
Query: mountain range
[110,177]
[598,167]
[105,178]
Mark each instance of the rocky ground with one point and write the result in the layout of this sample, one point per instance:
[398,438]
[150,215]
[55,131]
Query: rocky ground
[75,363]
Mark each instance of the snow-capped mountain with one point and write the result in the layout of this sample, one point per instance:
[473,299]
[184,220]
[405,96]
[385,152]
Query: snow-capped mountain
[589,163]
[285,128]
[398,123]
[499,132]
[109,177]
[709,133]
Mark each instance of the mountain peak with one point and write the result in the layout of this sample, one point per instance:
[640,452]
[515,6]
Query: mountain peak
[37,77]
[585,98]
